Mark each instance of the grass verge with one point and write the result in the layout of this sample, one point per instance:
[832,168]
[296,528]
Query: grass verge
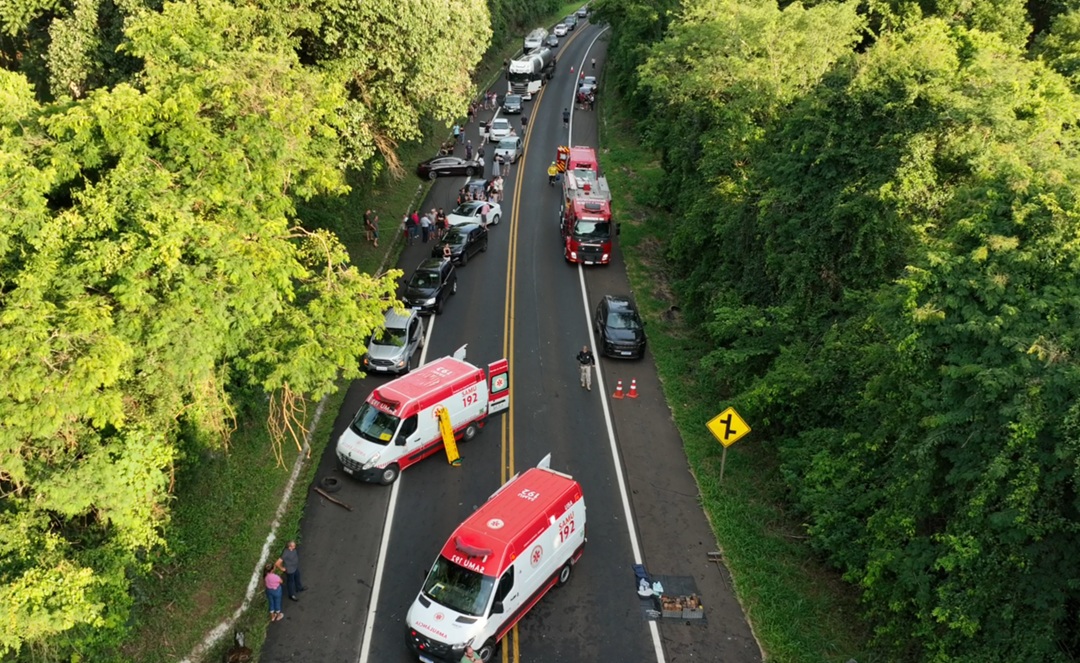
[225,503]
[800,610]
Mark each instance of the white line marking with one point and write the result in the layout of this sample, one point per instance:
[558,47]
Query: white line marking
[380,565]
[631,527]
[376,587]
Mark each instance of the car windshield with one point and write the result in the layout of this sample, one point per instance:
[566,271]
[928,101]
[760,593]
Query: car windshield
[500,125]
[512,100]
[588,229]
[389,337]
[622,319]
[455,238]
[458,588]
[374,425]
[424,278]
[465,210]
[508,144]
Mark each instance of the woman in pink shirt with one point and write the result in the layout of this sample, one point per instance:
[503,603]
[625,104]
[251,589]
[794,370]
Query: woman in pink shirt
[273,592]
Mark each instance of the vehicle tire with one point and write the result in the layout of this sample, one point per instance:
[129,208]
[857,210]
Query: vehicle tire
[438,306]
[564,574]
[483,247]
[390,474]
[408,366]
[470,433]
[495,221]
[453,288]
[468,172]
[330,484]
[487,651]
[432,175]
[464,257]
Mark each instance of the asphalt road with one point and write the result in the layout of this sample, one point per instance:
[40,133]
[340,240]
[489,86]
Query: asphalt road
[521,299]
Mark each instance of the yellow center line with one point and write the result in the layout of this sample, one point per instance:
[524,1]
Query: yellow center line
[507,459]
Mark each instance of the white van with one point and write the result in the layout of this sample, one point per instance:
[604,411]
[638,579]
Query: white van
[398,424]
[533,41]
[497,565]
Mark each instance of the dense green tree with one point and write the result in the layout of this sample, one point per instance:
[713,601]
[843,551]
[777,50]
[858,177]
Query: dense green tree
[879,238]
[149,260]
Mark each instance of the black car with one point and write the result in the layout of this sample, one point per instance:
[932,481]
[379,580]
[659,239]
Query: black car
[433,282]
[511,104]
[439,166]
[621,331]
[464,241]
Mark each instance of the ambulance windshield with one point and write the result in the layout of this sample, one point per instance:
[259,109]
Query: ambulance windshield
[374,425]
[458,588]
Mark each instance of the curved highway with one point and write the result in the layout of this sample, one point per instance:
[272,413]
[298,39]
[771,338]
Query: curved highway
[521,300]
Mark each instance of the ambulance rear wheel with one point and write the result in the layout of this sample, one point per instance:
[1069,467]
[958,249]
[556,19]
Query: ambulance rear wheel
[564,574]
[470,433]
[389,475]
[487,651]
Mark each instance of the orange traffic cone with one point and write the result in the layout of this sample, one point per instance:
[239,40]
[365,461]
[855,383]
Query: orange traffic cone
[618,390]
[633,389]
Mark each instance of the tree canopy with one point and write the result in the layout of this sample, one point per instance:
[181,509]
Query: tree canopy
[875,225]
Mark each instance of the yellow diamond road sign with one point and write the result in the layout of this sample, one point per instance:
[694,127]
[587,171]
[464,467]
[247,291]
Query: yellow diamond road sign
[728,427]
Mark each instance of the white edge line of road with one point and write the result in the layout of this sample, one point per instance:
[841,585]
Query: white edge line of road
[215,634]
[654,630]
[384,545]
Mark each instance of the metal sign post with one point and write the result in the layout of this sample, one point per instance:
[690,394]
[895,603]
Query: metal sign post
[728,428]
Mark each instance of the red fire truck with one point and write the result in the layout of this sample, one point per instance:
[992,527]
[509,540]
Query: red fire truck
[585,215]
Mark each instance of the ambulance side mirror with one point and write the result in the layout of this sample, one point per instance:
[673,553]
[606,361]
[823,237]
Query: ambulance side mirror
[497,609]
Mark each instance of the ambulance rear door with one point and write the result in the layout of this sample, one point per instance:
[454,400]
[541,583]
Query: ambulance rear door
[498,386]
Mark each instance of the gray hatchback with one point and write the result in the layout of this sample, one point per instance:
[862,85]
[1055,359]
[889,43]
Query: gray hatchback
[392,347]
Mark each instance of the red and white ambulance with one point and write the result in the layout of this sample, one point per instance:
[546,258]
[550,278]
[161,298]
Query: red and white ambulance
[497,565]
[398,424]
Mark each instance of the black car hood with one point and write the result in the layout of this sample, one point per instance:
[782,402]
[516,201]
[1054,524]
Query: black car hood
[414,293]
[625,335]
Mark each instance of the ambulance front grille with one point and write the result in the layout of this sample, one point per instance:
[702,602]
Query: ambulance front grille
[350,463]
[430,647]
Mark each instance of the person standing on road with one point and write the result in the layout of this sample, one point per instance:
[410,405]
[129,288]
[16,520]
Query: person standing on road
[496,166]
[566,118]
[594,63]
[272,582]
[458,134]
[405,229]
[484,211]
[524,123]
[425,228]
[468,150]
[289,562]
[586,362]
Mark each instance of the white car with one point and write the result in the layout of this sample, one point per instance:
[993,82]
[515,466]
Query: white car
[560,30]
[470,213]
[509,149]
[500,128]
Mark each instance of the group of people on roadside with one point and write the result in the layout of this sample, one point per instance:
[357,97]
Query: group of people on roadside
[492,192]
[429,225]
[288,564]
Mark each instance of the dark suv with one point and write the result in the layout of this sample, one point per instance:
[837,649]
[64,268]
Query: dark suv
[433,282]
[465,241]
[511,104]
[621,331]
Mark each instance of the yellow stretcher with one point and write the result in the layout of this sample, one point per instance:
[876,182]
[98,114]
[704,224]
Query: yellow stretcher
[447,430]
